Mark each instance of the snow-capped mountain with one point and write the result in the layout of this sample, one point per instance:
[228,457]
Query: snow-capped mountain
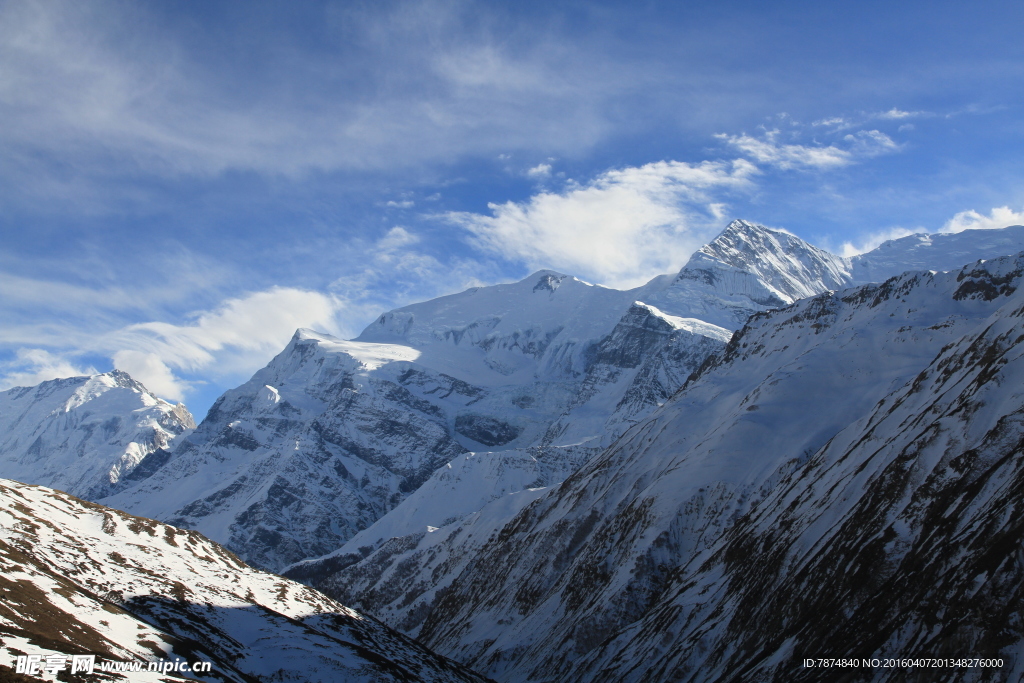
[89,436]
[79,579]
[923,251]
[398,579]
[333,434]
[750,268]
[315,447]
[844,482]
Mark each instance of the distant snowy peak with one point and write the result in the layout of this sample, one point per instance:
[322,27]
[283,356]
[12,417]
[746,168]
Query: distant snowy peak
[746,269]
[88,435]
[783,261]
[940,252]
[541,326]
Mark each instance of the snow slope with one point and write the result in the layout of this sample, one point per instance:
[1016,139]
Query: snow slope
[78,578]
[87,435]
[750,268]
[333,435]
[843,482]
[923,251]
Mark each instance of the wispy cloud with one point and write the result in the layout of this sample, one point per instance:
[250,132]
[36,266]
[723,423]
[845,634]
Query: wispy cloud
[539,171]
[416,82]
[770,151]
[232,340]
[618,229]
[32,366]
[899,114]
[235,338]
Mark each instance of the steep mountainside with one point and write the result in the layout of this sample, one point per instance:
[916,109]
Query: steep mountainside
[750,268]
[333,435]
[844,482]
[318,445]
[78,578]
[89,436]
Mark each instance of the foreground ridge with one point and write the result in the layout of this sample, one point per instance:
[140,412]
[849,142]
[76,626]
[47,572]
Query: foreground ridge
[79,578]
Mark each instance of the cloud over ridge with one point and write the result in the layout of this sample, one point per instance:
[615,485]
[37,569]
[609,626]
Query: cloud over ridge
[620,228]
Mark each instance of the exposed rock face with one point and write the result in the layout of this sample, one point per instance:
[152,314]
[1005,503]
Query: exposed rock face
[844,480]
[90,436]
[332,435]
[78,578]
[314,448]
[750,268]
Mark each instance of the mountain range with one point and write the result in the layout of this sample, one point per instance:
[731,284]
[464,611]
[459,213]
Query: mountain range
[553,480]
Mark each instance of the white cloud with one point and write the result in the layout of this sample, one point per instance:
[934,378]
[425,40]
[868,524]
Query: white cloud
[621,228]
[152,372]
[768,150]
[899,114]
[395,238]
[110,88]
[404,204]
[539,171]
[998,217]
[233,340]
[32,366]
[787,156]
[831,121]
[870,143]
[249,327]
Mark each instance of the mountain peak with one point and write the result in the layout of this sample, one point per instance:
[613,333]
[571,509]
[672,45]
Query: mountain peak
[792,267]
[749,267]
[86,435]
[742,237]
[741,225]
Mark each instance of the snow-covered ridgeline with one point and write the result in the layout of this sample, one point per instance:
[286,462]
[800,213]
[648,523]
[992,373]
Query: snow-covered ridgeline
[316,446]
[834,438]
[79,578]
[87,435]
[332,435]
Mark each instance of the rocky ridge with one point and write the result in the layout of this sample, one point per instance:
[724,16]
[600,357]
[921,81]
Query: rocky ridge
[843,480]
[89,436]
[79,579]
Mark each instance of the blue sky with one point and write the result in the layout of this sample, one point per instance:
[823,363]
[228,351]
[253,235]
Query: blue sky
[184,184]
